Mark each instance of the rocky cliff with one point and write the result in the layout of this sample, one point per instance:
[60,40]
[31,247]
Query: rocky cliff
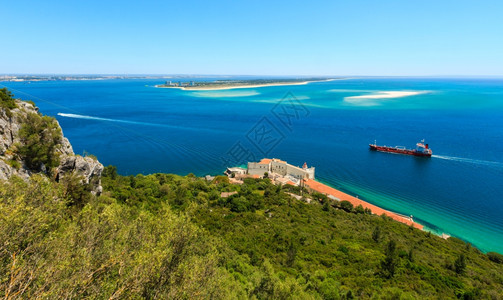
[11,121]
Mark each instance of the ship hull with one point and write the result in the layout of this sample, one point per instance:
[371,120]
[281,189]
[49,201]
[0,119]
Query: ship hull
[398,151]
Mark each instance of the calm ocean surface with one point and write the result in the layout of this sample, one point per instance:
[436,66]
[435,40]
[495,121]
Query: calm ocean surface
[143,129]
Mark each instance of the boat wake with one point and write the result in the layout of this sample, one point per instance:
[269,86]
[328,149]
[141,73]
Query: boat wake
[75,116]
[472,161]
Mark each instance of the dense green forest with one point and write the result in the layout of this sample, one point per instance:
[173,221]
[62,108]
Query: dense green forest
[167,236]
[175,237]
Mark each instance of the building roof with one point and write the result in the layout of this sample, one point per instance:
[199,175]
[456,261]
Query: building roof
[269,160]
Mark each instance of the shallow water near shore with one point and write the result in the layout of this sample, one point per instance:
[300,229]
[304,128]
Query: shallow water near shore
[143,129]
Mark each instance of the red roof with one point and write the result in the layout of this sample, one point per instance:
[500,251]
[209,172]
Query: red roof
[268,161]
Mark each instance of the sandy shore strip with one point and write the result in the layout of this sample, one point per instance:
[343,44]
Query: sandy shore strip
[325,189]
[242,86]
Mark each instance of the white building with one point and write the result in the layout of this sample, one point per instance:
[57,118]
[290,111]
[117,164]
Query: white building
[235,171]
[280,167]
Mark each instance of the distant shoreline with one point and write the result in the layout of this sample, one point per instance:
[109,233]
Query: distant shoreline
[242,86]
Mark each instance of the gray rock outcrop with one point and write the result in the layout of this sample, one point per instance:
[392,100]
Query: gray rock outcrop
[10,124]
[88,167]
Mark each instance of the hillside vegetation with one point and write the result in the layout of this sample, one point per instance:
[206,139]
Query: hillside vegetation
[174,237]
[167,236]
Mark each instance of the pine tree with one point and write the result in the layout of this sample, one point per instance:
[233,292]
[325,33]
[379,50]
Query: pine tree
[460,264]
[390,262]
[376,234]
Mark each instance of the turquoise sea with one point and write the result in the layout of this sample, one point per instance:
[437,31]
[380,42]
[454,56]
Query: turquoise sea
[142,129]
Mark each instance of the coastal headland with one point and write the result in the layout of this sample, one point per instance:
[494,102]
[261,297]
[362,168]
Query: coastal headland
[238,84]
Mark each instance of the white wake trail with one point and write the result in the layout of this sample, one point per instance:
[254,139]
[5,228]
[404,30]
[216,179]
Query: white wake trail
[472,161]
[75,116]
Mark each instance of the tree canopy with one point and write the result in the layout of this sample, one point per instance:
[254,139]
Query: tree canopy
[40,136]
[7,101]
[167,236]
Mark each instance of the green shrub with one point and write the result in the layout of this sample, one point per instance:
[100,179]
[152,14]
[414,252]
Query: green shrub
[221,179]
[343,249]
[328,289]
[347,206]
[322,198]
[495,257]
[359,209]
[239,204]
[110,171]
[40,136]
[76,193]
[92,156]
[14,163]
[376,234]
[460,264]
[390,262]
[7,99]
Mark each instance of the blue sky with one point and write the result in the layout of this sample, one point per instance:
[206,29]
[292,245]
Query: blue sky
[253,37]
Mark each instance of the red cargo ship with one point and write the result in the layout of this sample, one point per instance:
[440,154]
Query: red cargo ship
[422,149]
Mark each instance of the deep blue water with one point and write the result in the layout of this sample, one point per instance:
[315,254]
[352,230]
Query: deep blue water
[143,129]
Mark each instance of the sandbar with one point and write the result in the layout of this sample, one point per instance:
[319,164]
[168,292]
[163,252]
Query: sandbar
[244,86]
[387,95]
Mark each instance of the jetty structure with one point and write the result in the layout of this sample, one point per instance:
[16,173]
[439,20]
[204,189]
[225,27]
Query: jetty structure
[281,172]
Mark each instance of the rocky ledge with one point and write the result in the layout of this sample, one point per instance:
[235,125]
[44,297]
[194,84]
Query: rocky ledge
[10,165]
